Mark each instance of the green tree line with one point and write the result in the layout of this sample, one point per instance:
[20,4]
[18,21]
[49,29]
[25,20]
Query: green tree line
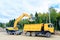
[39,18]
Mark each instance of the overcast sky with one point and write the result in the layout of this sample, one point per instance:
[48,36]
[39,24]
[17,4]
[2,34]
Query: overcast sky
[10,9]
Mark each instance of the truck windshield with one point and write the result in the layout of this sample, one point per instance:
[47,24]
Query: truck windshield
[50,25]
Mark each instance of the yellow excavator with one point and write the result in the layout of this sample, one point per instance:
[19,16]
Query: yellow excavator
[14,29]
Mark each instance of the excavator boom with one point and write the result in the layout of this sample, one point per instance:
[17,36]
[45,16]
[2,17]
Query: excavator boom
[18,19]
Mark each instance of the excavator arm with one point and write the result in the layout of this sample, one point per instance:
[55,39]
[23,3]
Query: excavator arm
[18,19]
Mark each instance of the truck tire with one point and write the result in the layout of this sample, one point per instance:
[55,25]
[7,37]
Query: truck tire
[9,33]
[48,34]
[27,34]
[33,34]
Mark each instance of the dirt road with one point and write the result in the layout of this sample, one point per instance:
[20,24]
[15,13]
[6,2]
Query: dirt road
[5,36]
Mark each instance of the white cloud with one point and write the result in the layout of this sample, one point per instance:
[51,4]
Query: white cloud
[10,9]
[39,5]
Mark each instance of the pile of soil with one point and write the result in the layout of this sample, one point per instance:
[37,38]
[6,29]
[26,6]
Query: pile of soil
[57,32]
[2,29]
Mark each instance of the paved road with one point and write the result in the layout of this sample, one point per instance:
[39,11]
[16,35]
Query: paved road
[4,36]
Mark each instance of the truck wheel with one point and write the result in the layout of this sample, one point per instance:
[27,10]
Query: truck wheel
[48,34]
[33,34]
[9,33]
[27,34]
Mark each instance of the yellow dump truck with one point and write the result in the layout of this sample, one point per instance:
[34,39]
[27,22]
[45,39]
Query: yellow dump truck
[38,29]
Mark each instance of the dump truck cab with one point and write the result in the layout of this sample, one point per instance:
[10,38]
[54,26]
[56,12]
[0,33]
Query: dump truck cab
[49,27]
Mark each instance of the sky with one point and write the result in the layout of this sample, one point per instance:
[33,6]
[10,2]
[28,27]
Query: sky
[10,9]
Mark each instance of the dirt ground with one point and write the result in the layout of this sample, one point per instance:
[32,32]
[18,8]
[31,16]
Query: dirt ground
[5,36]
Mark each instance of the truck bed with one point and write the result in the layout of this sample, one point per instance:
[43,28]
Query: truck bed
[32,27]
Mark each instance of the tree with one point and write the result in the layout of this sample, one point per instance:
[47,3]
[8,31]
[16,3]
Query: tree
[43,17]
[10,23]
[36,18]
[2,25]
[32,19]
[31,15]
[58,21]
[40,17]
[52,14]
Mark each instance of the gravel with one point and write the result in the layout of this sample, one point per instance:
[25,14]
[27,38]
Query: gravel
[5,36]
